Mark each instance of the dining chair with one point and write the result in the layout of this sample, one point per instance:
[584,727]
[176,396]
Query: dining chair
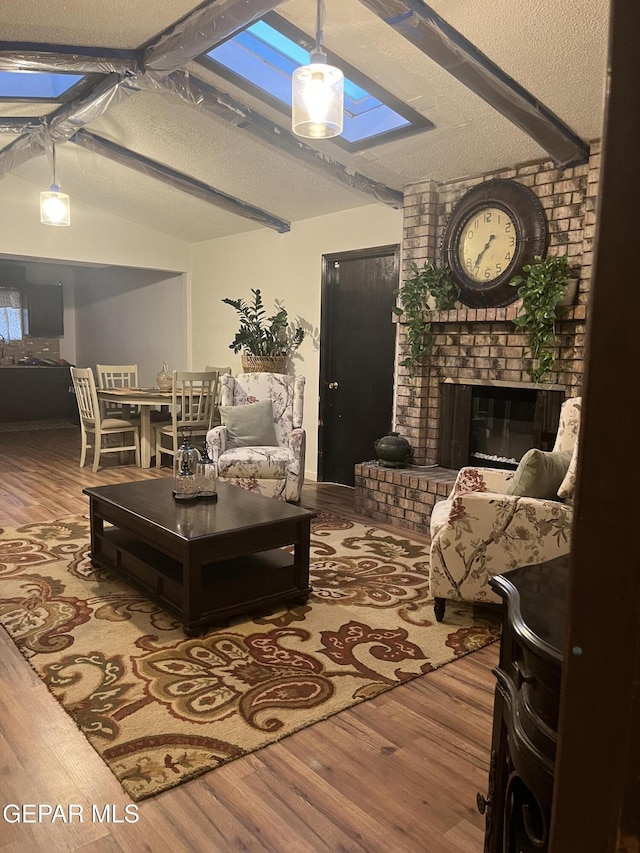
[117,376]
[93,424]
[221,371]
[192,402]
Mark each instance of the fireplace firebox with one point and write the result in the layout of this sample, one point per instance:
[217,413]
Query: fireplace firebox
[492,425]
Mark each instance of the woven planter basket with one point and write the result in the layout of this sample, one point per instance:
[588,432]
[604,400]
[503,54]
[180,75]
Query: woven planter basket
[263,363]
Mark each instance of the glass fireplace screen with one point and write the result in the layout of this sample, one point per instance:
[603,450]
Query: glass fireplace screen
[494,426]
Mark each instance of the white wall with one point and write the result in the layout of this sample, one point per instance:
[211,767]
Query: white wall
[125,316]
[94,236]
[283,266]
[83,254]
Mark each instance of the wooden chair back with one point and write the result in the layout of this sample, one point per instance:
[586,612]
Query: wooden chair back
[221,371]
[116,376]
[192,403]
[87,398]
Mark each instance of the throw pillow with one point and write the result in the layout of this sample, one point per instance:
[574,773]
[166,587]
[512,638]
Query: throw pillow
[249,425]
[568,485]
[540,473]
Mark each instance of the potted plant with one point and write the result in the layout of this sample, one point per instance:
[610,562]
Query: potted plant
[264,342]
[429,288]
[543,291]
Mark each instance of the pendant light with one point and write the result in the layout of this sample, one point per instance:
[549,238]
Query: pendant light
[317,94]
[55,207]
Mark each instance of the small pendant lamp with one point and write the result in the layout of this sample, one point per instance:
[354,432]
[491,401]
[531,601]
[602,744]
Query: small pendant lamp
[317,93]
[55,207]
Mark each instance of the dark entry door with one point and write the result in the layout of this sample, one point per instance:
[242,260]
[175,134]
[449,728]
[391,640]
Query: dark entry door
[357,355]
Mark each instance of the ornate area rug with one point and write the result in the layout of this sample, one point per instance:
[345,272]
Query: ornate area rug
[160,708]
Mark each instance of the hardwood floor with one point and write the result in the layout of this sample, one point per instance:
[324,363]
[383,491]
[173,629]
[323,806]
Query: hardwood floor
[397,774]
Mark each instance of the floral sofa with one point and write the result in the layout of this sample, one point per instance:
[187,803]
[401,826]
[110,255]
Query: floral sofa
[480,530]
[276,469]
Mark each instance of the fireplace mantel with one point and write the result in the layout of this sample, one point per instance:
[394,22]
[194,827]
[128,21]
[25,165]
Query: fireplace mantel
[490,315]
[500,383]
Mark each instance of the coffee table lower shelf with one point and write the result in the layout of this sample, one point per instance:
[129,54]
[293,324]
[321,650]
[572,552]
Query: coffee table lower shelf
[226,588]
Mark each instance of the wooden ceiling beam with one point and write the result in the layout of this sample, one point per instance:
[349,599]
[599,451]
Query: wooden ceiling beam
[178,44]
[178,180]
[200,30]
[207,97]
[442,43]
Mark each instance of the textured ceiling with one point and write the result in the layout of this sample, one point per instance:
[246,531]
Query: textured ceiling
[124,24]
[554,50]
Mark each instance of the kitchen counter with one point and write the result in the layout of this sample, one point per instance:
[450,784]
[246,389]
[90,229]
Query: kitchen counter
[32,366]
[36,392]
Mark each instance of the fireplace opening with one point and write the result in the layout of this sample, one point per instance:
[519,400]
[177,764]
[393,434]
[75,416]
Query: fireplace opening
[502,425]
[493,426]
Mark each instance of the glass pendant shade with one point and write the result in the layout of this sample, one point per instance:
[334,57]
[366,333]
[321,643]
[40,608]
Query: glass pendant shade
[55,207]
[317,99]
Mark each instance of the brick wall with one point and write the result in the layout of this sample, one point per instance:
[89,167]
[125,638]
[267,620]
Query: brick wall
[482,344]
[473,343]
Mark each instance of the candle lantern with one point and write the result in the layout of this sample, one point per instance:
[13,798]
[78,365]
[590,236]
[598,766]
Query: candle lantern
[207,475]
[185,462]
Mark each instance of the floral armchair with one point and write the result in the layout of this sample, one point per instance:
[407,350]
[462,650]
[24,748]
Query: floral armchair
[274,469]
[481,530]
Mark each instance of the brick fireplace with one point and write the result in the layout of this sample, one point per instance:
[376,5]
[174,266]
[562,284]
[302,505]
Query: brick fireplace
[477,344]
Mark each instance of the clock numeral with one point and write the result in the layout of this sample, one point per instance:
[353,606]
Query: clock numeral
[487,217]
[487,273]
[507,257]
[512,241]
[469,234]
[468,262]
[507,227]
[498,267]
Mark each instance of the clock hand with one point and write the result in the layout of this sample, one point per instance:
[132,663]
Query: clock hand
[487,244]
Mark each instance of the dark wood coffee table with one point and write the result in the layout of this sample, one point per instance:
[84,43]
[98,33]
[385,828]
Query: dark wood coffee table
[203,562]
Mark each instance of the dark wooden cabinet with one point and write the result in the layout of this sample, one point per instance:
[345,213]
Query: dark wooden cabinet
[44,305]
[527,700]
[36,393]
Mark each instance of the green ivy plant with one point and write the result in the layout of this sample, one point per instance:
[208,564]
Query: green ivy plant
[541,289]
[261,335]
[413,298]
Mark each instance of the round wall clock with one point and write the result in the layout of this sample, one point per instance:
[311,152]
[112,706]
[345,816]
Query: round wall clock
[492,232]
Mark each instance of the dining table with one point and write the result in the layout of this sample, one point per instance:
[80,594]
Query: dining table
[146,399]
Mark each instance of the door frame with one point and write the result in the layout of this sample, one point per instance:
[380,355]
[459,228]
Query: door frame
[326,332]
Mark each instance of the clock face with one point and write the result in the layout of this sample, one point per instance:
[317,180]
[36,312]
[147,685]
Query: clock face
[487,244]
[494,230]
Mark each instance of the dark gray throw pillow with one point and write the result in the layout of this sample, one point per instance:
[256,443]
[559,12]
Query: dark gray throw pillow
[540,473]
[249,425]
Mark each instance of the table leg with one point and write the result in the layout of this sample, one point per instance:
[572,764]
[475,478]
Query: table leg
[145,436]
[96,524]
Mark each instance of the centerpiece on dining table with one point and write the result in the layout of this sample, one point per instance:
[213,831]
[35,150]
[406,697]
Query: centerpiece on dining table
[164,379]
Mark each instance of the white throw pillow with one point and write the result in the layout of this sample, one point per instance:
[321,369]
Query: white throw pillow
[249,425]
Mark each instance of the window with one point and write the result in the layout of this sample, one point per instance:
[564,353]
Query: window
[262,57]
[10,314]
[27,84]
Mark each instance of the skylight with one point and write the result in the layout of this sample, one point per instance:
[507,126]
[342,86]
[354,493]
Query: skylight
[36,85]
[264,58]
